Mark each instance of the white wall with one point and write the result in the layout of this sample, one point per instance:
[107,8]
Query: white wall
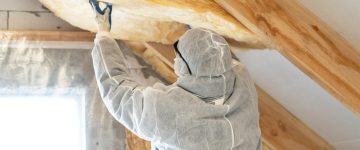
[303,97]
[30,15]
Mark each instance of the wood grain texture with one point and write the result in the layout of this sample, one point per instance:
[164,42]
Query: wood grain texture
[306,41]
[159,66]
[280,129]
[135,143]
[46,35]
[165,52]
[283,131]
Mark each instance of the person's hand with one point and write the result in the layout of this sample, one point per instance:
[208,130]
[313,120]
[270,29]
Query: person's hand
[103,20]
[103,23]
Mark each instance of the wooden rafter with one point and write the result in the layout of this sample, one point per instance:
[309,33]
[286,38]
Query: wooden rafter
[306,41]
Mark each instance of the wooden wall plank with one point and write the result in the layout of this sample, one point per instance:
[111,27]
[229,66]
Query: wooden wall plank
[306,41]
[47,35]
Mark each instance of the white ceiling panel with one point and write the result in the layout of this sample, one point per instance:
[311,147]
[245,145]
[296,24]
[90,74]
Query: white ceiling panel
[301,96]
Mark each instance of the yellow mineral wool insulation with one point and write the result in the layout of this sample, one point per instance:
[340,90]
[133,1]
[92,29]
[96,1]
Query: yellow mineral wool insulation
[155,20]
[125,26]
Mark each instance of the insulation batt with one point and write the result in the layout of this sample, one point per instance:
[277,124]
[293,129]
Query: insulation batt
[154,20]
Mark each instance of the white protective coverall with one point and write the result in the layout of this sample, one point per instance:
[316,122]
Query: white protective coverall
[215,107]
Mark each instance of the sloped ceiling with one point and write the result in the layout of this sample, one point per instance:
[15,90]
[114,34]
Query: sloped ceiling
[303,98]
[297,92]
[301,95]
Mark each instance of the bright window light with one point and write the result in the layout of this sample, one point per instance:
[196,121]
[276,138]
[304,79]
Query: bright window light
[41,123]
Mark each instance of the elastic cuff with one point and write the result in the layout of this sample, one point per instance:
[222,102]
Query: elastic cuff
[101,35]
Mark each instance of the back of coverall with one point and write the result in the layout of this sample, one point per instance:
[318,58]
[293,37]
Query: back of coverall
[211,108]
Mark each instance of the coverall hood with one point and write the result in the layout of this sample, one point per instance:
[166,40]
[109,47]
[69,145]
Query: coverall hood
[209,59]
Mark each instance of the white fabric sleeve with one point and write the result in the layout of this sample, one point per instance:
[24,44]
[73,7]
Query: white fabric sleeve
[122,96]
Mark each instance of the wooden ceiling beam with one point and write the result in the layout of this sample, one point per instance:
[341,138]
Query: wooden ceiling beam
[47,35]
[306,41]
[161,51]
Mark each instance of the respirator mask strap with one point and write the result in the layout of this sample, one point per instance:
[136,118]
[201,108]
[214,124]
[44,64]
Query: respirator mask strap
[178,52]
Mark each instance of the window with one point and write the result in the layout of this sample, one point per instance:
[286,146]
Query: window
[41,123]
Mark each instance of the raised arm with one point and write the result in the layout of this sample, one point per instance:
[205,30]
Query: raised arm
[122,96]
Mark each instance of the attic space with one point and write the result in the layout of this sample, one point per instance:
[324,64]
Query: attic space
[181,74]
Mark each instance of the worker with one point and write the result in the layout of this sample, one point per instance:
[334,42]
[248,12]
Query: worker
[212,105]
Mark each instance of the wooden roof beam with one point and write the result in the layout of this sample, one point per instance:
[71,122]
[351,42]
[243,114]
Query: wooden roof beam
[306,41]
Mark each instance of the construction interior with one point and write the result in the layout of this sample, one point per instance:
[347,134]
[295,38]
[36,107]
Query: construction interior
[303,55]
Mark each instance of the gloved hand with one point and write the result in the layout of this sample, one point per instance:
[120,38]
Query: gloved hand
[103,20]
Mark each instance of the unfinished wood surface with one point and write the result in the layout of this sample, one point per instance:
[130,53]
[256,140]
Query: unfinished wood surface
[135,143]
[266,147]
[280,129]
[159,66]
[165,52]
[283,131]
[307,42]
[46,35]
